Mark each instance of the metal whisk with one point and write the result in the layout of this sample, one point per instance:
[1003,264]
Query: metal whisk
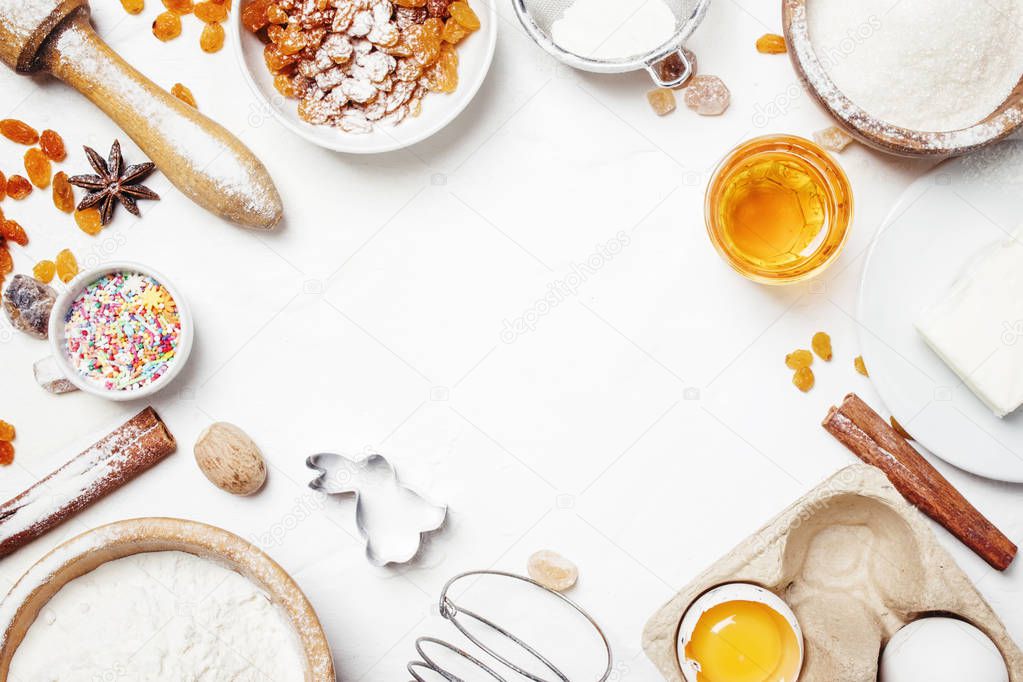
[458,616]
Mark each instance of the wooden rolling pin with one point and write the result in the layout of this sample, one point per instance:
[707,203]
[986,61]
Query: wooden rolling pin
[207,163]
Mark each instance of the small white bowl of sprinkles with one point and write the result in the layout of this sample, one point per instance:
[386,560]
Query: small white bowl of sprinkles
[120,331]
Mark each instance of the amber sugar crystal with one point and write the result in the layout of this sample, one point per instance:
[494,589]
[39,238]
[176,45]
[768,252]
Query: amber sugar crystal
[662,101]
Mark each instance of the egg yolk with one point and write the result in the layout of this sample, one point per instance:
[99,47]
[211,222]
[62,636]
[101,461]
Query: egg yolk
[743,641]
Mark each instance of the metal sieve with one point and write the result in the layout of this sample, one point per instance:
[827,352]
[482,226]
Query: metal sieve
[667,64]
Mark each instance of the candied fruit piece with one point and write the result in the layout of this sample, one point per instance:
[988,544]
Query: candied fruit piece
[798,359]
[211,12]
[552,570]
[44,271]
[18,131]
[18,187]
[803,379]
[860,366]
[6,431]
[63,195]
[167,26]
[52,145]
[707,95]
[133,6]
[12,231]
[833,138]
[443,75]
[212,38]
[771,43]
[28,303]
[67,266]
[184,94]
[254,14]
[90,220]
[662,100]
[6,453]
[463,14]
[38,167]
[179,6]
[898,428]
[453,32]
[821,344]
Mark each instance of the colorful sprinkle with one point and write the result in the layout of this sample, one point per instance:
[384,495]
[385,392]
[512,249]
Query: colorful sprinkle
[122,331]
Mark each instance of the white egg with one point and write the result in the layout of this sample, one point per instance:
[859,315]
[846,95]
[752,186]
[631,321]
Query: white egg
[942,650]
[735,592]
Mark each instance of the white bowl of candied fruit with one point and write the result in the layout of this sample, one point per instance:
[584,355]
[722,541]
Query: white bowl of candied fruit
[365,76]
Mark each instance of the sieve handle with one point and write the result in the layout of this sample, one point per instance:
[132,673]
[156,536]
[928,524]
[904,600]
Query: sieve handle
[657,69]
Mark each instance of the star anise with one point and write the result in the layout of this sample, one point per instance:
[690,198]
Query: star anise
[113,182]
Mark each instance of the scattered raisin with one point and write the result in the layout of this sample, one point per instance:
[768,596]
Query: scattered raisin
[464,15]
[821,344]
[179,6]
[211,12]
[6,453]
[90,220]
[3,185]
[63,195]
[798,359]
[18,131]
[52,145]
[860,366]
[662,101]
[133,6]
[184,94]
[803,379]
[212,38]
[167,26]
[67,266]
[44,271]
[18,187]
[6,430]
[6,262]
[771,43]
[898,428]
[13,231]
[38,167]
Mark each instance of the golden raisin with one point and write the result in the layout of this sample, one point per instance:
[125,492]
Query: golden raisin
[18,187]
[254,14]
[38,168]
[771,43]
[898,428]
[133,6]
[821,344]
[453,31]
[662,101]
[6,262]
[286,86]
[179,6]
[463,14]
[167,26]
[443,75]
[276,61]
[3,185]
[212,38]
[67,266]
[211,12]
[421,41]
[6,453]
[6,430]
[18,131]
[89,220]
[803,379]
[860,366]
[13,231]
[184,94]
[63,195]
[799,359]
[52,145]
[276,15]
[44,271]
[410,3]
[292,40]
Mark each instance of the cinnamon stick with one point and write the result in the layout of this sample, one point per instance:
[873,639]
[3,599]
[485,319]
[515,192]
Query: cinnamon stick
[122,455]
[874,441]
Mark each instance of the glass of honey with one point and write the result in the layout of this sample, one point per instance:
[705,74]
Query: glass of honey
[778,209]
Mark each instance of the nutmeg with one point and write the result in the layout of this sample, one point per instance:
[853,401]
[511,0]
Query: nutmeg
[229,459]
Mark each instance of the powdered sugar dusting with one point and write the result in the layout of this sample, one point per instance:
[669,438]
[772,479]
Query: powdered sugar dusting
[22,17]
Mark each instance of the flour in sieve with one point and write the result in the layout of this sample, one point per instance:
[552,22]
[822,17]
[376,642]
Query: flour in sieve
[614,29]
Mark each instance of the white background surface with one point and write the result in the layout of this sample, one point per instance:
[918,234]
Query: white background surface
[372,321]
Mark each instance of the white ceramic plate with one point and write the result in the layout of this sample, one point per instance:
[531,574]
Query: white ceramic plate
[475,53]
[942,221]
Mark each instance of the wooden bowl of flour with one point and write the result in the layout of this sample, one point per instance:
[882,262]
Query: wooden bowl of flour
[82,554]
[875,132]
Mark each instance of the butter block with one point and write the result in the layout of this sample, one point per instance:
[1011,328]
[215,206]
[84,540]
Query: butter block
[976,328]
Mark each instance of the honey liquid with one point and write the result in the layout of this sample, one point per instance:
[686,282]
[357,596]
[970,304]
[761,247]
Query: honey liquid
[778,209]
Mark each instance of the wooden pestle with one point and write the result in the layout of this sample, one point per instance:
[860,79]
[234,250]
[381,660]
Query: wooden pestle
[201,158]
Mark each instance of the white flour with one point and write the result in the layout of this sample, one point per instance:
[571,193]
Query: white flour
[608,29]
[932,65]
[160,616]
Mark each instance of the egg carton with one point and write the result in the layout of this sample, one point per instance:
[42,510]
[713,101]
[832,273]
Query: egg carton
[856,562]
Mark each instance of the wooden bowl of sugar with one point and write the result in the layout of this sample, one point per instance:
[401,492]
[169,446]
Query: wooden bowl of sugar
[920,78]
[165,537]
